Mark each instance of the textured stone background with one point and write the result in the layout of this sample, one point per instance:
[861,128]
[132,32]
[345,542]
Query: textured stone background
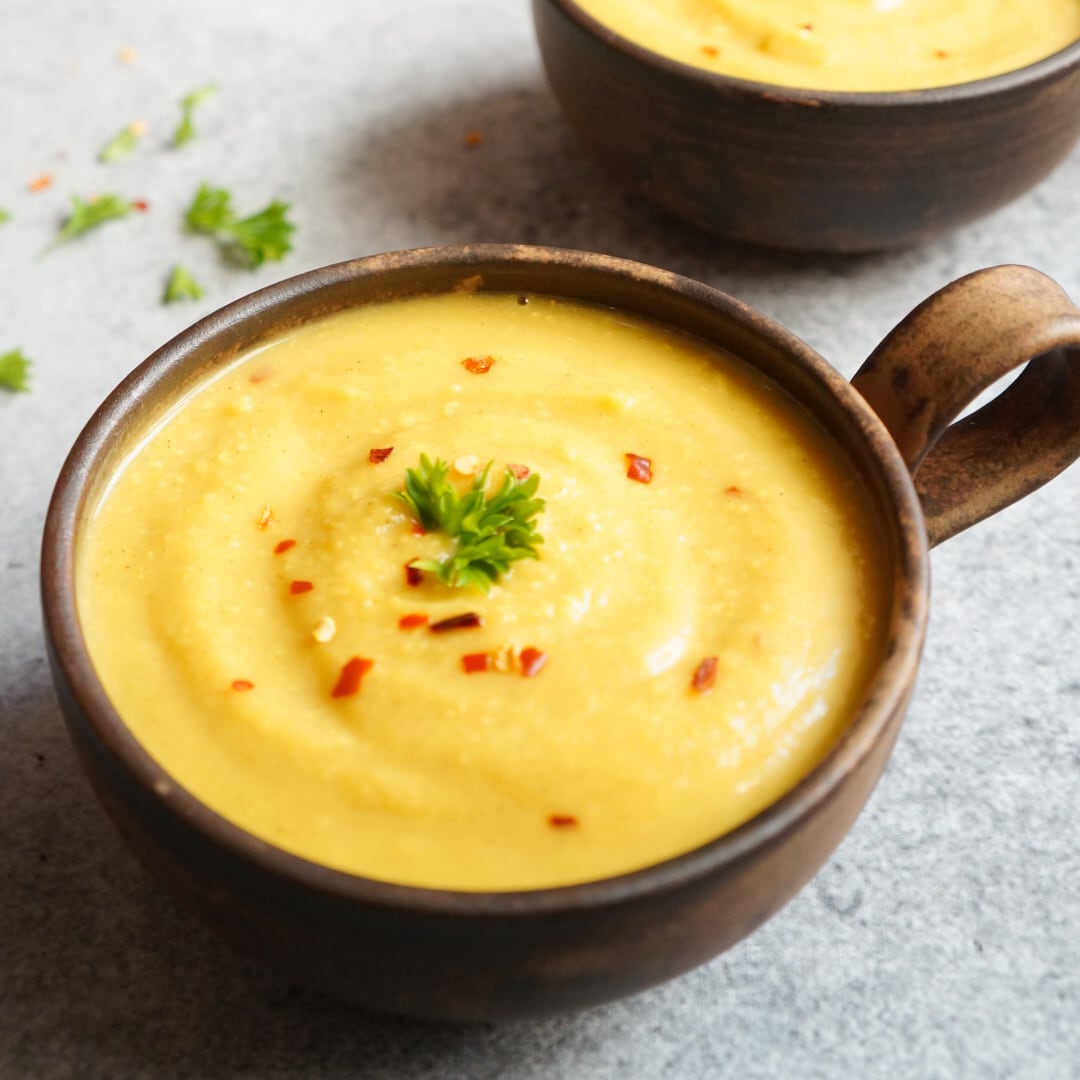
[941,941]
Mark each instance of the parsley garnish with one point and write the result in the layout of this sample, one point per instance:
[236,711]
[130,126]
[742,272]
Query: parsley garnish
[251,240]
[185,130]
[4,216]
[14,368]
[122,144]
[87,215]
[491,532]
[181,286]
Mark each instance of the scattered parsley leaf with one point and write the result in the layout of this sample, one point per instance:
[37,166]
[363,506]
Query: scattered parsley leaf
[181,286]
[251,240]
[210,210]
[4,216]
[89,214]
[14,368]
[185,130]
[490,532]
[122,144]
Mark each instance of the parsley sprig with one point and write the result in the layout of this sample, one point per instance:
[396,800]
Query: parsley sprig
[181,286]
[251,240]
[122,145]
[490,532]
[14,369]
[185,130]
[87,214]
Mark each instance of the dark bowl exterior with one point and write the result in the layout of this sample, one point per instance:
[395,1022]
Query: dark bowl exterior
[461,955]
[806,170]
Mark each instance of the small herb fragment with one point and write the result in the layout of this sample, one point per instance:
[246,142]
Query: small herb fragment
[89,214]
[4,216]
[252,240]
[14,369]
[181,286]
[123,143]
[185,130]
[490,532]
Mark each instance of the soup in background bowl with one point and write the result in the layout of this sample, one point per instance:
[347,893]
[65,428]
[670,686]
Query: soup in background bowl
[847,45]
[410,776]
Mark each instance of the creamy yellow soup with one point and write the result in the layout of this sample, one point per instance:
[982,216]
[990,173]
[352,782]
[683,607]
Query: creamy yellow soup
[705,611]
[857,45]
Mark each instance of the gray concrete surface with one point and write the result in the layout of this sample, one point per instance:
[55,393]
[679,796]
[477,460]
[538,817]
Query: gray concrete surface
[941,940]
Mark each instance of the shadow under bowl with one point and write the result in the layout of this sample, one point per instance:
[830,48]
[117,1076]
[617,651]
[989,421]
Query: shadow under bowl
[803,169]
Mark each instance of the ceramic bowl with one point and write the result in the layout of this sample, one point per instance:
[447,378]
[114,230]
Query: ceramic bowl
[805,169]
[469,955]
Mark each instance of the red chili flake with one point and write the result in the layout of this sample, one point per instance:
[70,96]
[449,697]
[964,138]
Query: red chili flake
[284,546]
[411,622]
[141,205]
[351,676]
[639,468]
[532,662]
[704,675]
[710,50]
[807,26]
[473,139]
[418,529]
[473,662]
[478,365]
[733,489]
[297,587]
[468,620]
[413,575]
[941,54]
[242,685]
[562,821]
[377,457]
[258,376]
[520,472]
[41,182]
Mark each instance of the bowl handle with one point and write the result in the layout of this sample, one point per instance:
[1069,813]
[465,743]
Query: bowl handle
[943,355]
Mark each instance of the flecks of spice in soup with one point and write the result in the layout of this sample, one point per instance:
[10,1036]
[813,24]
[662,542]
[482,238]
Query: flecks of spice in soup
[855,45]
[681,654]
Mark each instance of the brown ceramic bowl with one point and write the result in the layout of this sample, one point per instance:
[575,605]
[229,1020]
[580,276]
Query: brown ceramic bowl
[805,169]
[472,955]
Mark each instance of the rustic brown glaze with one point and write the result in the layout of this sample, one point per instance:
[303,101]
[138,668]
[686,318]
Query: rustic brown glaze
[947,352]
[486,955]
[802,169]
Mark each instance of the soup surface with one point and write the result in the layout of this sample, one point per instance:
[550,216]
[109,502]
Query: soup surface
[706,608]
[856,45]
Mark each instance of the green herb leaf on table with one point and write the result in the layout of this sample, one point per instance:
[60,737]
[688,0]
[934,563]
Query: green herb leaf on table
[490,532]
[252,240]
[14,369]
[122,144]
[4,216]
[89,214]
[185,130]
[181,286]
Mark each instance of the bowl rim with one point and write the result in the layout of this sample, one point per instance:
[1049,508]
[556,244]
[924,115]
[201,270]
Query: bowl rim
[68,505]
[1048,68]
